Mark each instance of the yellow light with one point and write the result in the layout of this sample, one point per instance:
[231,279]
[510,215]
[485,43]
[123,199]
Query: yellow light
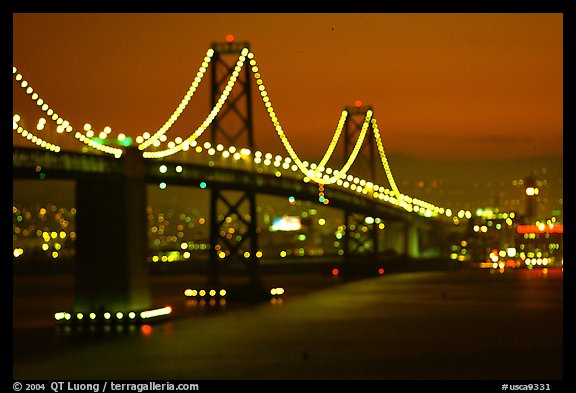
[277,291]
[156,313]
[175,115]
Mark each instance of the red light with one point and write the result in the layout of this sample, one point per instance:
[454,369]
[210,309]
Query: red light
[555,228]
[357,103]
[335,272]
[381,271]
[229,38]
[146,329]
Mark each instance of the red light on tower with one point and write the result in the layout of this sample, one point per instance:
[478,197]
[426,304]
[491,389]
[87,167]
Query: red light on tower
[357,103]
[229,38]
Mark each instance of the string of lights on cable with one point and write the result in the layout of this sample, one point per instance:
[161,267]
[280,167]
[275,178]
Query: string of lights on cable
[32,137]
[314,175]
[155,138]
[185,144]
[63,125]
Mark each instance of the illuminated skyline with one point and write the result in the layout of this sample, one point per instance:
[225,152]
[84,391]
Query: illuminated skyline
[441,85]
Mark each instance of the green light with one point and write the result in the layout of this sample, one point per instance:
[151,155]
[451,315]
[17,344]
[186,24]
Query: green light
[42,176]
[127,141]
[203,185]
[100,141]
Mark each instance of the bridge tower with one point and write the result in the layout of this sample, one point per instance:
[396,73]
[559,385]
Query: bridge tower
[111,272]
[233,215]
[361,236]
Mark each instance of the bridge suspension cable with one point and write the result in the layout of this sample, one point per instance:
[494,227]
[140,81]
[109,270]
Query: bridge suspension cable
[334,140]
[31,137]
[63,124]
[384,160]
[315,176]
[183,104]
[185,144]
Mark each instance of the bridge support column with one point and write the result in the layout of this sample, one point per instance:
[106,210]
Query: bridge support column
[111,271]
[411,240]
[402,238]
[394,238]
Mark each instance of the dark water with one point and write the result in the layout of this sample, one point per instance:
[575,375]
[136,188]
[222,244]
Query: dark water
[447,325]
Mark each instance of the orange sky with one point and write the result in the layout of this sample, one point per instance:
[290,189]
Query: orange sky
[441,85]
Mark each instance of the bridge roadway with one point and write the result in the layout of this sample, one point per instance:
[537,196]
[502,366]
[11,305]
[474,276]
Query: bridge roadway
[467,324]
[229,174]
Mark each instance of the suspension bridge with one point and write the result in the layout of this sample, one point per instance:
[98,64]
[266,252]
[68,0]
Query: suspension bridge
[111,273]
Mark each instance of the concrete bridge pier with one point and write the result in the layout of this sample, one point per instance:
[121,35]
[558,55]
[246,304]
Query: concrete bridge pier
[111,271]
[411,240]
[415,239]
[402,238]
